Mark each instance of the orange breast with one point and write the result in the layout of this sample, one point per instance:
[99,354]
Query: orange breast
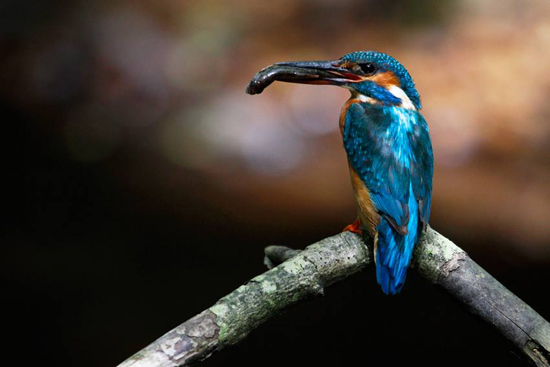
[366,210]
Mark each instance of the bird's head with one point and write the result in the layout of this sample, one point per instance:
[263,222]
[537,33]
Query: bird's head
[370,76]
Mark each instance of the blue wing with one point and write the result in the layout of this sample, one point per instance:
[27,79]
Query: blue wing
[390,149]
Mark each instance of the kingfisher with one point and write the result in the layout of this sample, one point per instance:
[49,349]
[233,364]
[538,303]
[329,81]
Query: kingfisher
[388,147]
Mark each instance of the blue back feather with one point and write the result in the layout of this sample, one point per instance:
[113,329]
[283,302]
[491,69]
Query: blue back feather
[390,149]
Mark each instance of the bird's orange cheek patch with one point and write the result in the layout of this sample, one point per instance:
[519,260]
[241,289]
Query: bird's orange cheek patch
[386,79]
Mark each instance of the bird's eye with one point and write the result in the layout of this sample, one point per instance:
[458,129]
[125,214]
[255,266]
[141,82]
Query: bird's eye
[368,68]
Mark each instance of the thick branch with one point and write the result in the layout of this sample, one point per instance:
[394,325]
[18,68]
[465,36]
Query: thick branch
[305,274]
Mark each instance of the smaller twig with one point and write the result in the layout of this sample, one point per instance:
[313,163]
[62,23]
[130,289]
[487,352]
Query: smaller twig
[274,255]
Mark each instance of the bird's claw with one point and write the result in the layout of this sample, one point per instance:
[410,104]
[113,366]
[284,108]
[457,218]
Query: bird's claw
[354,227]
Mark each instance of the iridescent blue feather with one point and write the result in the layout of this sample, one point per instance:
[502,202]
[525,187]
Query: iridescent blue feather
[389,147]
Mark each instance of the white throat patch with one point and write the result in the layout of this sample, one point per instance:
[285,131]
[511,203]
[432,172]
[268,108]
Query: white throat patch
[399,93]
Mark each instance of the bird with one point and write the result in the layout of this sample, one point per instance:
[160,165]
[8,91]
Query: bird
[388,149]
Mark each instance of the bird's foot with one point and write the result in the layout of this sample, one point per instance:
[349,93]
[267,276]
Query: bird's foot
[354,227]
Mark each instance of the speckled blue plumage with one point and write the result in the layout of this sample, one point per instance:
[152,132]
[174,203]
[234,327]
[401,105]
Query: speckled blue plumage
[386,63]
[389,147]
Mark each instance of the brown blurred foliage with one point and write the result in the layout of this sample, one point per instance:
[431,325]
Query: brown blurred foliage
[167,79]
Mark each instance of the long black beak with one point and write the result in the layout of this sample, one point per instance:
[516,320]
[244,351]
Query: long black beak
[305,72]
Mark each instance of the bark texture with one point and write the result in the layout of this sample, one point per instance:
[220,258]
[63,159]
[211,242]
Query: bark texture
[304,274]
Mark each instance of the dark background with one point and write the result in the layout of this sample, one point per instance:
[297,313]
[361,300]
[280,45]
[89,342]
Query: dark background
[142,183]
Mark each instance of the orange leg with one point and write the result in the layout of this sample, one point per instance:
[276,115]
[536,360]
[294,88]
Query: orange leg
[354,227]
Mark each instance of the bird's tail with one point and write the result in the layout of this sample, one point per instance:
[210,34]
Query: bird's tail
[394,251]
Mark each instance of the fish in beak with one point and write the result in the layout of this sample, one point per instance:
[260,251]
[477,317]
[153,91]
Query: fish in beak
[304,72]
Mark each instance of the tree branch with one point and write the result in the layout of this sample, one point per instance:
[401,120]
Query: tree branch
[303,274]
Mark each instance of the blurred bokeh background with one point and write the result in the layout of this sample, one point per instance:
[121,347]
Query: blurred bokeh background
[143,183]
